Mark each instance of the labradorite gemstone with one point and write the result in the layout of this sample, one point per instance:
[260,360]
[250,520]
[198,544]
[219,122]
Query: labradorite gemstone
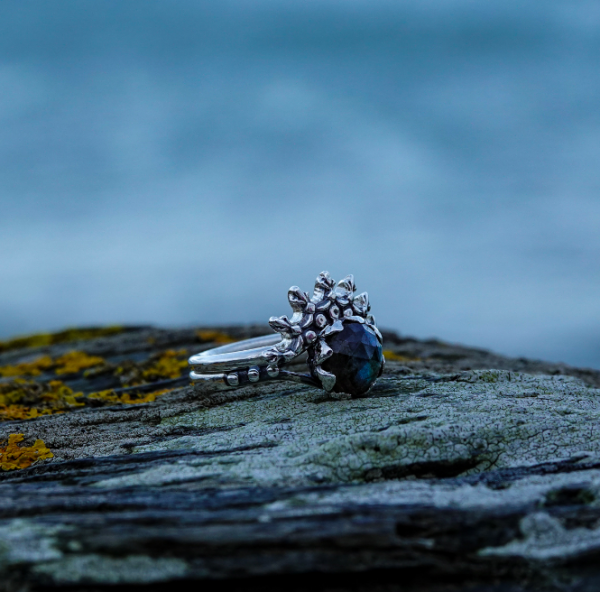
[357,358]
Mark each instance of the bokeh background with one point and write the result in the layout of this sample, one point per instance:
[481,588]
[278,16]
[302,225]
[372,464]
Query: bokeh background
[186,162]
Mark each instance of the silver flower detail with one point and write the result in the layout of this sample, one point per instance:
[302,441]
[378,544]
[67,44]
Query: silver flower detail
[316,318]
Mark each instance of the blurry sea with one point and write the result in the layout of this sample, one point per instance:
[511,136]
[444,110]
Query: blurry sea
[186,162]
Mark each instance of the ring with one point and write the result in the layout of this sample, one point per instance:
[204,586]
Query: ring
[334,329]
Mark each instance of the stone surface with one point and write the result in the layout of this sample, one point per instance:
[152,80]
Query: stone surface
[450,475]
[357,358]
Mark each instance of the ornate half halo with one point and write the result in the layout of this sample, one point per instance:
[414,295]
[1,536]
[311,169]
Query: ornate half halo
[333,327]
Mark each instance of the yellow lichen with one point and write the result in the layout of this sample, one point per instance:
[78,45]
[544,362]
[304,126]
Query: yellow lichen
[13,456]
[34,368]
[169,364]
[13,412]
[214,337]
[162,366]
[27,399]
[44,339]
[127,398]
[73,362]
[69,363]
[392,356]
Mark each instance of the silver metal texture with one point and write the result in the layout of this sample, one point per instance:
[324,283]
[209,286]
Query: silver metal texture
[314,319]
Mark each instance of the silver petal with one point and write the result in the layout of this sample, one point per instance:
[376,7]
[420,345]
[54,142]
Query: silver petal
[362,299]
[327,379]
[306,321]
[347,284]
[293,350]
[297,298]
[296,317]
[271,355]
[358,310]
[356,319]
[335,328]
[322,352]
[289,355]
[323,285]
[297,345]
[377,332]
[285,343]
[379,335]
[280,324]
[323,305]
[361,304]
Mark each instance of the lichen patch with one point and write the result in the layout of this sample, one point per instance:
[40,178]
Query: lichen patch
[392,356]
[14,457]
[94,568]
[209,336]
[165,365]
[128,398]
[457,425]
[69,363]
[76,361]
[27,399]
[46,339]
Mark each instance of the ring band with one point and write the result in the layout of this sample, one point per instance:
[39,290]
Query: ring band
[242,362]
[334,328]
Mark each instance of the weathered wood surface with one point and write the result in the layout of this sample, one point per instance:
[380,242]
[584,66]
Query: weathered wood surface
[462,470]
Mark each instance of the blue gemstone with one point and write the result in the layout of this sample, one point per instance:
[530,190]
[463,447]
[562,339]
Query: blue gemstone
[357,358]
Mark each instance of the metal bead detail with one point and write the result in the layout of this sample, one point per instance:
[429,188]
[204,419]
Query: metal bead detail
[320,321]
[253,374]
[310,336]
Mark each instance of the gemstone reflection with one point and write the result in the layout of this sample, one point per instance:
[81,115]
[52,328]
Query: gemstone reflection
[357,358]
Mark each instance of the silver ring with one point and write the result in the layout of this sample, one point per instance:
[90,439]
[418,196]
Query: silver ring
[334,329]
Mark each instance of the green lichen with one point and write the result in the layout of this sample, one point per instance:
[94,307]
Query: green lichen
[545,538]
[458,425]
[24,541]
[133,569]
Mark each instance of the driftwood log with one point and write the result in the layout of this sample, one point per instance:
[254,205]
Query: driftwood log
[461,470]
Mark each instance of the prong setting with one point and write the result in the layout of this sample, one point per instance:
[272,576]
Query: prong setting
[321,317]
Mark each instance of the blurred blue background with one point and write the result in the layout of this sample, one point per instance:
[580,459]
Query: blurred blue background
[186,162]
